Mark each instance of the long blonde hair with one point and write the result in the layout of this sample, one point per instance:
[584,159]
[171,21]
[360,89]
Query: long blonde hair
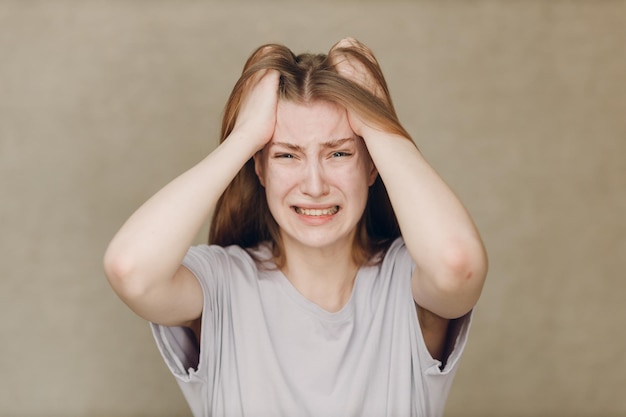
[242,216]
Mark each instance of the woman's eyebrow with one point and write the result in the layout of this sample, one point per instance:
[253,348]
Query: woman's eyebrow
[335,143]
[287,145]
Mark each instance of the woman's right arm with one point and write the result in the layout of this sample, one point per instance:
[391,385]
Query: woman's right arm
[143,261]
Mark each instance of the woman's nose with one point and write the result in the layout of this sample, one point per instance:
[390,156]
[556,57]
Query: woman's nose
[314,180]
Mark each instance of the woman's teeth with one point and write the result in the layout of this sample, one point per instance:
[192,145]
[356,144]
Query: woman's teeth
[317,212]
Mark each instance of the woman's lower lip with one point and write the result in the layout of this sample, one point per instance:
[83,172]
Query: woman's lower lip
[317,212]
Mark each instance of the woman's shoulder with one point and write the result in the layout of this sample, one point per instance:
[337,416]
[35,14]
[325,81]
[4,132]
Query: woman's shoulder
[215,257]
[397,258]
[395,249]
[397,244]
[208,251]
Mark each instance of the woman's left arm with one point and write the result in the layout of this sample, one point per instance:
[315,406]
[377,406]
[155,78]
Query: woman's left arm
[451,262]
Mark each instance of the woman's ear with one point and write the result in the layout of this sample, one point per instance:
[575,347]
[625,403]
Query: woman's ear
[258,166]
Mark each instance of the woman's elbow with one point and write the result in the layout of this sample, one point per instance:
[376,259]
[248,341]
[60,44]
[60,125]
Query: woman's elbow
[464,273]
[121,273]
[465,263]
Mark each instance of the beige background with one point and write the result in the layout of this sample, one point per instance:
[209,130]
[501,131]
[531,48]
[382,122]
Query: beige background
[520,105]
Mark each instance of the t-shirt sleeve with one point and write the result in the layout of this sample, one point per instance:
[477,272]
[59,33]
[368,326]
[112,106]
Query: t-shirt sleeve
[434,379]
[460,327]
[437,380]
[459,331]
[184,356]
[178,345]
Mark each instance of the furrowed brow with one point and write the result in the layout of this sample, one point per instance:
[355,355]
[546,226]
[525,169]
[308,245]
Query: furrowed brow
[335,143]
[290,146]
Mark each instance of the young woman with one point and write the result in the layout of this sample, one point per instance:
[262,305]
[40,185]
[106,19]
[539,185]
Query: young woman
[342,270]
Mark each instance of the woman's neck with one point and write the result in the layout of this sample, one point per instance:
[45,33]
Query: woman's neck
[325,277]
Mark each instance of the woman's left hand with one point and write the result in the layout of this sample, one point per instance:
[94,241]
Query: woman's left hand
[353,69]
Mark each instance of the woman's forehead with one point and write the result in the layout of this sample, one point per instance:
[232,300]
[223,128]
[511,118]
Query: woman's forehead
[310,110]
[317,122]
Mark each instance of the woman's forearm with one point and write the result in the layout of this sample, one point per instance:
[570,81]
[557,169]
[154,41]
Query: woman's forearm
[151,244]
[438,231]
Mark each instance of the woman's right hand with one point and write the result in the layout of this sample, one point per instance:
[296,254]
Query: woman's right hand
[256,118]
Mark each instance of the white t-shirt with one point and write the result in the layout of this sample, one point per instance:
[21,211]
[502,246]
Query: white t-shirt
[267,351]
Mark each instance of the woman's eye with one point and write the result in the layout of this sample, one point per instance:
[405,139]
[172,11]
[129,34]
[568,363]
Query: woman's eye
[284,155]
[339,154]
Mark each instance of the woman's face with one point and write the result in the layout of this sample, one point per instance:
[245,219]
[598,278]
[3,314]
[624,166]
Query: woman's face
[316,173]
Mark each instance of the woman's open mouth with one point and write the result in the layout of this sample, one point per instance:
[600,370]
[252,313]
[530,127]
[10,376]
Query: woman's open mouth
[317,212]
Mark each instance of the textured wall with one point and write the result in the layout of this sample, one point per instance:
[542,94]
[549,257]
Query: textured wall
[520,106]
